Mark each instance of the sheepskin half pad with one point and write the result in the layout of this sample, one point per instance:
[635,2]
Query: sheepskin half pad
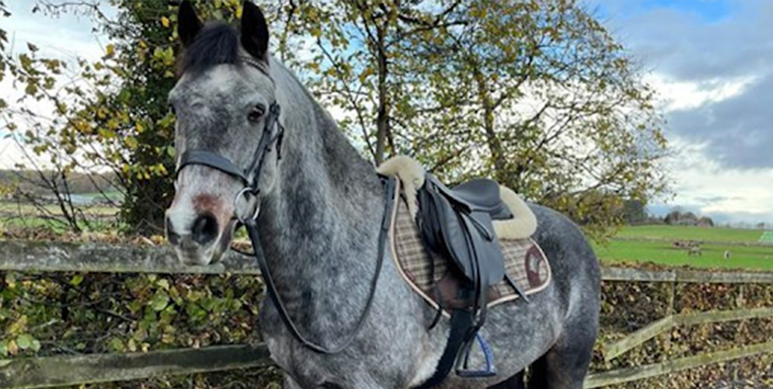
[524,262]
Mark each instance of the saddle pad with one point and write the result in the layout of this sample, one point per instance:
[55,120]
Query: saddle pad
[525,263]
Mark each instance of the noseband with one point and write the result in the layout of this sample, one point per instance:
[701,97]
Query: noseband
[267,141]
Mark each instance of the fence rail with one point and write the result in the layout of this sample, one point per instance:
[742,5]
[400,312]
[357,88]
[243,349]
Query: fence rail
[117,258]
[110,258]
[48,372]
[615,349]
[657,369]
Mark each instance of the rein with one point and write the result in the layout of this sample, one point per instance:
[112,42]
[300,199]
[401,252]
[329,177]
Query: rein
[252,230]
[268,139]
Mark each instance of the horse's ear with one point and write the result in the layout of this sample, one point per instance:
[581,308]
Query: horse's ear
[254,31]
[188,24]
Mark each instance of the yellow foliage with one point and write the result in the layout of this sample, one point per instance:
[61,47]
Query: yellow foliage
[109,51]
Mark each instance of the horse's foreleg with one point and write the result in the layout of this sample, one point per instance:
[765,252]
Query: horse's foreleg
[564,366]
[289,383]
[514,382]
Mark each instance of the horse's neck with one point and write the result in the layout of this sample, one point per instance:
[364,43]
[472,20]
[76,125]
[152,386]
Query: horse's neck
[323,217]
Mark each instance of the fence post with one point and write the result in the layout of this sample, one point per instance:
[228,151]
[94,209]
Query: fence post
[740,302]
[670,310]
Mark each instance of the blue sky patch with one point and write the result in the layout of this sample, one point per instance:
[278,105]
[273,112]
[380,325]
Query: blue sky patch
[708,11]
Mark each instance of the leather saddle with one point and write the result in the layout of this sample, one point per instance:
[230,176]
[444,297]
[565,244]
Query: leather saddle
[458,225]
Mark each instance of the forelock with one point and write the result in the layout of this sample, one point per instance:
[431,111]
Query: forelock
[216,44]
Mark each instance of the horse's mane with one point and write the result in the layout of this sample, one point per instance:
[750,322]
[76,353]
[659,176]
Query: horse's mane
[217,43]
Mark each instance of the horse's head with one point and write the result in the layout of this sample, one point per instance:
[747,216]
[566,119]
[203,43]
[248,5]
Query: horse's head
[223,102]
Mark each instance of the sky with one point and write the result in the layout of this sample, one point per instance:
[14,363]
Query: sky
[66,36]
[711,62]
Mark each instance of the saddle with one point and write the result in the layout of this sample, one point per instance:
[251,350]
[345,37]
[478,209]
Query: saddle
[456,232]
[458,224]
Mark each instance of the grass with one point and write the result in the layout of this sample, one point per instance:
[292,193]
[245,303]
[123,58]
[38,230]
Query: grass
[690,233]
[9,207]
[653,244]
[21,217]
[742,257]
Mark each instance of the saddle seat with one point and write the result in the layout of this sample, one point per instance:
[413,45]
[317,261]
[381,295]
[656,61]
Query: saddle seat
[481,194]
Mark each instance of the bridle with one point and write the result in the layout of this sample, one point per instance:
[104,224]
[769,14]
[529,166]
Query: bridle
[267,141]
[273,133]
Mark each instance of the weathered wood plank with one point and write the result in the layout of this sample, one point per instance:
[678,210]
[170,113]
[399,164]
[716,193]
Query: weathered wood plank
[685,276]
[692,276]
[722,316]
[633,274]
[615,349]
[636,338]
[117,258]
[109,258]
[654,370]
[89,369]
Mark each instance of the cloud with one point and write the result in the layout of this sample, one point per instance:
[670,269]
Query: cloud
[695,40]
[65,36]
[705,187]
[736,130]
[716,199]
[677,95]
[712,63]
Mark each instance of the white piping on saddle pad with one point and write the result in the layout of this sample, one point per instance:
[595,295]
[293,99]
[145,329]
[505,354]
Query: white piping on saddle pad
[411,174]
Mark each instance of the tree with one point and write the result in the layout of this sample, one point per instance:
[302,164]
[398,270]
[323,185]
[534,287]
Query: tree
[535,94]
[358,62]
[3,41]
[112,114]
[634,212]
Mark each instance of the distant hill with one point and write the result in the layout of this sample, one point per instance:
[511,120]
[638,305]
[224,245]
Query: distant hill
[78,183]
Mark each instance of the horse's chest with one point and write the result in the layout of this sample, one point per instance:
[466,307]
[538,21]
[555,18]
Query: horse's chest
[301,364]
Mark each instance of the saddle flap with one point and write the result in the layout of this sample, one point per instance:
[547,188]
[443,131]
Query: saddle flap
[462,235]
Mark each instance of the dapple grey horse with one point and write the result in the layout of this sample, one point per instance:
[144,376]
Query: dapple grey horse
[320,212]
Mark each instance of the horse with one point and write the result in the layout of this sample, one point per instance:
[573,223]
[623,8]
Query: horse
[318,207]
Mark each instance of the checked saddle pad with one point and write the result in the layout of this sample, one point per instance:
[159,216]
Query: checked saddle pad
[429,274]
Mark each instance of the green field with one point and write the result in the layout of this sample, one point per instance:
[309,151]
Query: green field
[16,209]
[654,244]
[26,217]
[690,233]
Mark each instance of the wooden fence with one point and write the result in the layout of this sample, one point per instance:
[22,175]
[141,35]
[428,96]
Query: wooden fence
[46,372]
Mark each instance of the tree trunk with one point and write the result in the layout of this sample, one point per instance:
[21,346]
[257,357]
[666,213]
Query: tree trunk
[493,142]
[382,118]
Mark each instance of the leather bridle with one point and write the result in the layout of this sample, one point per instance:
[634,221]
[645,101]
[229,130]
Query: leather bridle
[267,141]
[273,133]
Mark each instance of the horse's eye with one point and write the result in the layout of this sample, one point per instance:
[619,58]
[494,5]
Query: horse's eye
[256,113]
[172,110]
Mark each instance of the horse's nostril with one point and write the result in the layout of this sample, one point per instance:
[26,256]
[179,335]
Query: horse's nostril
[171,236]
[204,229]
